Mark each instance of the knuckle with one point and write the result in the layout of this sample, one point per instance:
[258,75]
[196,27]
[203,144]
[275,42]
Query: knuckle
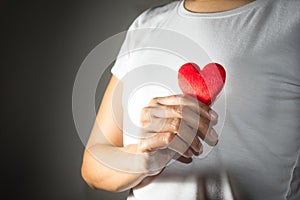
[178,110]
[145,116]
[144,122]
[182,96]
[188,97]
[206,129]
[203,125]
[146,112]
[142,146]
[175,123]
[162,108]
[146,109]
[203,106]
[167,138]
[154,100]
[176,98]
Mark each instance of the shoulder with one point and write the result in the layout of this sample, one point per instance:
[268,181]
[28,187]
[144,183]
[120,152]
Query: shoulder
[290,15]
[283,14]
[154,16]
[280,3]
[288,9]
[293,8]
[294,4]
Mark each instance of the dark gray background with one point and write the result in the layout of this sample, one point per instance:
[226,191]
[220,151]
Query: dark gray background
[43,43]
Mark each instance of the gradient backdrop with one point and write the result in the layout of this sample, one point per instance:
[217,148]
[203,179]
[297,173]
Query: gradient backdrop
[43,43]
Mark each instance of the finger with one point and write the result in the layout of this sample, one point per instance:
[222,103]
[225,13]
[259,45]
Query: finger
[173,99]
[203,127]
[197,146]
[187,154]
[190,136]
[155,141]
[163,141]
[153,102]
[186,100]
[167,118]
[210,137]
[162,125]
[187,134]
[184,159]
[157,160]
[145,116]
[196,122]
[176,111]
[213,115]
[166,111]
[185,129]
[162,111]
[191,118]
[157,124]
[180,147]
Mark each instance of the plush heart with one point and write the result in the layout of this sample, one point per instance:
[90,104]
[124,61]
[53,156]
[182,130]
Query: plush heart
[204,84]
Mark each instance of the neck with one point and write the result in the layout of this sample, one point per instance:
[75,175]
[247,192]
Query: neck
[211,6]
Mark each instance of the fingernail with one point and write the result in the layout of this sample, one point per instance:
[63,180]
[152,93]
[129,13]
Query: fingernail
[213,115]
[212,137]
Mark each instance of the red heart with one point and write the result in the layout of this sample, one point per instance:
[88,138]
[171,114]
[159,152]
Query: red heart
[204,84]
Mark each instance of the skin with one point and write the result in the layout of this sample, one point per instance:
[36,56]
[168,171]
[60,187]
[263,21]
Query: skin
[211,6]
[167,128]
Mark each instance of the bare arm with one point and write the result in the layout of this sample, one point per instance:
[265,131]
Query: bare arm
[108,165]
[94,172]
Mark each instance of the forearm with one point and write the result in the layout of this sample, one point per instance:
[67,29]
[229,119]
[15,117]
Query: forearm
[112,168]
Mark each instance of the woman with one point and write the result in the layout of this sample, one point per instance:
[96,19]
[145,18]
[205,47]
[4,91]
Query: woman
[257,42]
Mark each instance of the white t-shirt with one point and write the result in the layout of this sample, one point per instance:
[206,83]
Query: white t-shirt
[259,107]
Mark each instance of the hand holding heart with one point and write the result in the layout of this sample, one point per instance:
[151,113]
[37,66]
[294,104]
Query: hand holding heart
[177,122]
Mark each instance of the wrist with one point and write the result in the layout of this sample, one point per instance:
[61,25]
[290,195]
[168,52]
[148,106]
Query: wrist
[145,163]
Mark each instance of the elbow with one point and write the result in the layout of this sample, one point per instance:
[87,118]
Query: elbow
[89,178]
[98,185]
[87,171]
[85,176]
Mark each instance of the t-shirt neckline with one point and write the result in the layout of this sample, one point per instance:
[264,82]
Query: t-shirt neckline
[186,13]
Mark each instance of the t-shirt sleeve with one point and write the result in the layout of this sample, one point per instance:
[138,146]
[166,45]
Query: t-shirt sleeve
[123,60]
